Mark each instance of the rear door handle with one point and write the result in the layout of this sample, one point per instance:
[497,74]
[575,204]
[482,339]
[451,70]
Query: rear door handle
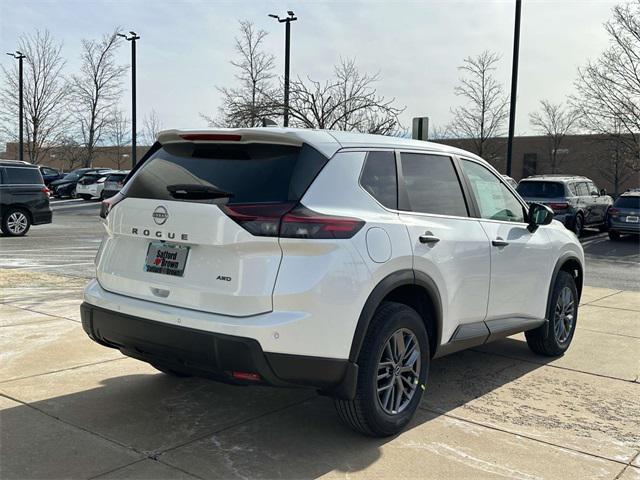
[428,237]
[499,242]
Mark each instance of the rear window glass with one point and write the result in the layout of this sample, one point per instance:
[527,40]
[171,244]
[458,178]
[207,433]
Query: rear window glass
[22,176]
[116,177]
[628,202]
[541,189]
[252,173]
[379,178]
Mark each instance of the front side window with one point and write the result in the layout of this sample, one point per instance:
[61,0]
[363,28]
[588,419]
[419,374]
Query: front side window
[593,190]
[379,178]
[432,185]
[495,200]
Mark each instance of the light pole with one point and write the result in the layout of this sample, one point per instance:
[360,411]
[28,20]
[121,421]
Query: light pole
[132,37]
[514,84]
[19,56]
[287,47]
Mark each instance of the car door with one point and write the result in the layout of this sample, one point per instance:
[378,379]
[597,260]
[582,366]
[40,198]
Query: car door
[600,203]
[449,246]
[520,260]
[585,202]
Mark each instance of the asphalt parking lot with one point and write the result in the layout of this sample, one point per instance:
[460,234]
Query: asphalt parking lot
[72,409]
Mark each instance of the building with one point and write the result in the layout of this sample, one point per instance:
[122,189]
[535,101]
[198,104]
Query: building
[594,156]
[602,159]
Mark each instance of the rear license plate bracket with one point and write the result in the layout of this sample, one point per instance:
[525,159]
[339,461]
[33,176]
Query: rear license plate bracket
[166,258]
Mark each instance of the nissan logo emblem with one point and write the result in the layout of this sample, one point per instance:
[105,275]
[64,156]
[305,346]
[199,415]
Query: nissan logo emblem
[160,215]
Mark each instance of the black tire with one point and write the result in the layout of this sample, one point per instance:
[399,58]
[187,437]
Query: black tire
[554,337]
[86,198]
[170,371]
[365,413]
[613,235]
[15,222]
[578,225]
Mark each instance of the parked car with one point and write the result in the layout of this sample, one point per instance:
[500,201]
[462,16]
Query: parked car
[91,185]
[50,175]
[337,261]
[114,183]
[624,215]
[510,181]
[575,201]
[66,186]
[24,198]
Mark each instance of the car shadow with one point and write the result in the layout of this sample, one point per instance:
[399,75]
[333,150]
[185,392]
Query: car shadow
[222,431]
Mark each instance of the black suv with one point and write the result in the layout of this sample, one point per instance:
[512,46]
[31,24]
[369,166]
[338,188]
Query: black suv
[24,199]
[575,200]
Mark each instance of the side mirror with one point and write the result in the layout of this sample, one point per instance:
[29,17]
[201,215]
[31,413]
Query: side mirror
[603,192]
[539,214]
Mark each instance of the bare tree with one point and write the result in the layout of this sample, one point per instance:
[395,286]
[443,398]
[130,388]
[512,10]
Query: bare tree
[70,152]
[608,95]
[45,95]
[118,135]
[554,121]
[349,102]
[247,104]
[96,90]
[485,111]
[151,126]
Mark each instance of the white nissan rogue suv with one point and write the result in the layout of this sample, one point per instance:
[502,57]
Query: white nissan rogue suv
[331,260]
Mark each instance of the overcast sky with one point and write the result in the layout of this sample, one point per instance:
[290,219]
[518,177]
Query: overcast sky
[416,46]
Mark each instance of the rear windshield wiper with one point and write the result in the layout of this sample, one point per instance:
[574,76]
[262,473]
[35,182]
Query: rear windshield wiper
[195,191]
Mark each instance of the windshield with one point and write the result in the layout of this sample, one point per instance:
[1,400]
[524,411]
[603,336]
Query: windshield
[71,176]
[541,189]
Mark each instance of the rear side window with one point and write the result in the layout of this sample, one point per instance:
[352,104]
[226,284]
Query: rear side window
[379,178]
[541,189]
[432,185]
[22,176]
[628,202]
[582,189]
[251,173]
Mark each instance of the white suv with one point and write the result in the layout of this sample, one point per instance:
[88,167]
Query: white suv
[337,261]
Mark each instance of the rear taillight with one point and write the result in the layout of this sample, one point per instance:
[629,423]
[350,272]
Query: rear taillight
[109,203]
[613,211]
[558,206]
[46,191]
[285,221]
[262,220]
[304,223]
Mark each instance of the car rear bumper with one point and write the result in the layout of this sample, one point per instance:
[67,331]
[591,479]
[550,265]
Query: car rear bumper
[41,217]
[214,355]
[624,227]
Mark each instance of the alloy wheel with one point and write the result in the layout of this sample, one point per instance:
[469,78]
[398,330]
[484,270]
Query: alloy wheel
[564,315]
[398,371]
[17,223]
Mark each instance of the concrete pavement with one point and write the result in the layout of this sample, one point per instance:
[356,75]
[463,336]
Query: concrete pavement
[72,409]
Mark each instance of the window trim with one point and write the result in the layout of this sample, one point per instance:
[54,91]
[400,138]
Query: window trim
[404,206]
[490,169]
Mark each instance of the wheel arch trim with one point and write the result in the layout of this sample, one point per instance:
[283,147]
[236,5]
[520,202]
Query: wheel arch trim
[560,263]
[387,285]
